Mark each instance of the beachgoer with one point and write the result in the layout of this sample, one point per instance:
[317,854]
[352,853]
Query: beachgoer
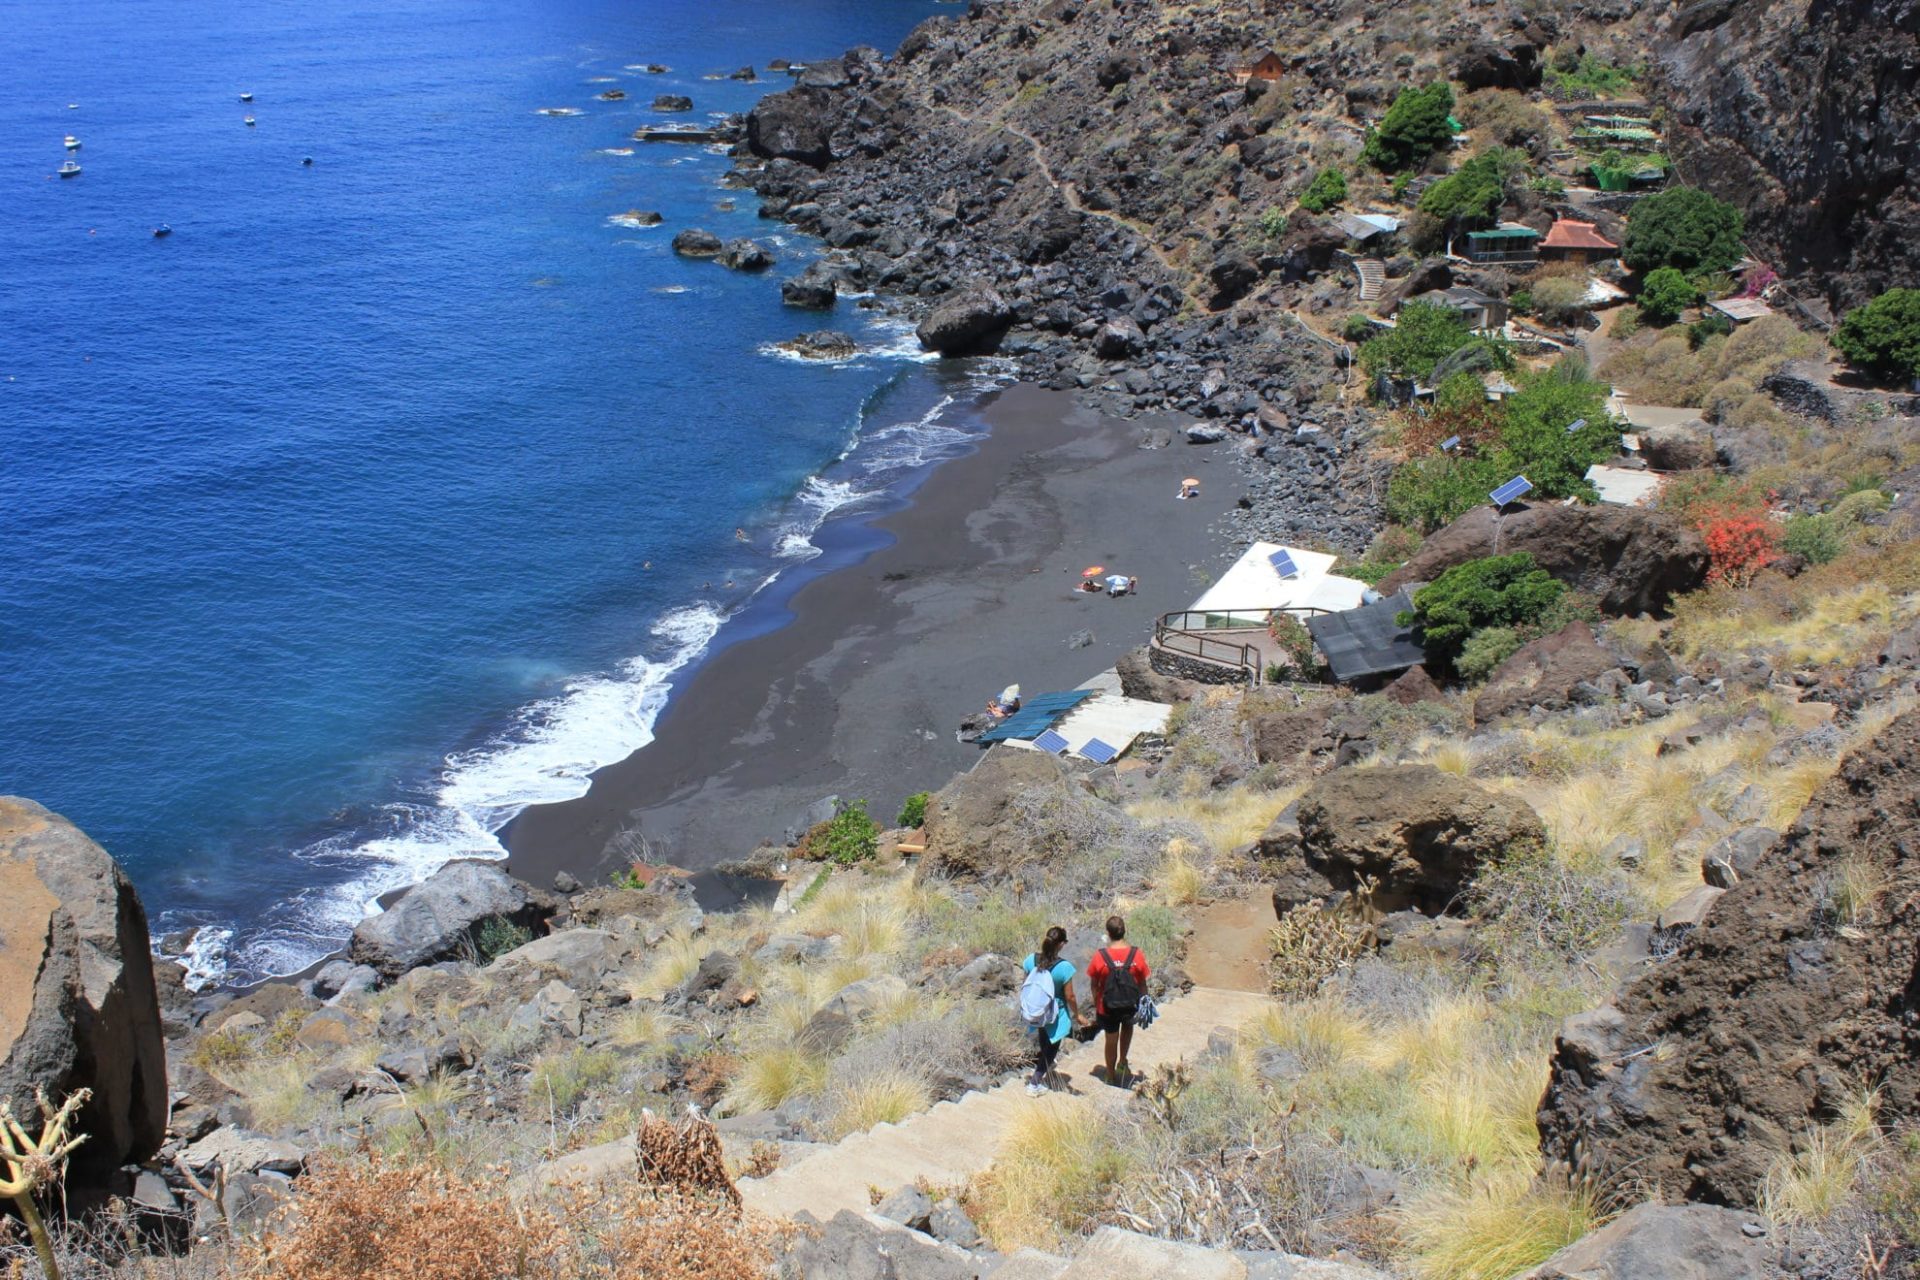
[1117,976]
[1133,586]
[1049,982]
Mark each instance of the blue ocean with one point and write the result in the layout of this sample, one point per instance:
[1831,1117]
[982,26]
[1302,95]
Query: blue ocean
[393,492]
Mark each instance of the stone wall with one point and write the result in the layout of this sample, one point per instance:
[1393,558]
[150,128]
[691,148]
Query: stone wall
[1182,666]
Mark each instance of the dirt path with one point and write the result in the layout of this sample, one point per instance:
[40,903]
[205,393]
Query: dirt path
[1228,950]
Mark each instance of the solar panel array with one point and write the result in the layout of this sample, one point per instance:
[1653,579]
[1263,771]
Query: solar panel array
[1051,743]
[1282,562]
[1367,641]
[1036,716]
[1098,751]
[1512,491]
[1450,444]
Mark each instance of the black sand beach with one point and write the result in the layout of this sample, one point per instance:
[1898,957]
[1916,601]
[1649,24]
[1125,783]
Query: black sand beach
[860,695]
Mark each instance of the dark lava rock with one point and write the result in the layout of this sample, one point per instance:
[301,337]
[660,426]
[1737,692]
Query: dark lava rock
[746,255]
[1629,559]
[823,344]
[811,290]
[695,243]
[673,102]
[969,324]
[1486,65]
[1233,275]
[1771,1013]
[1118,338]
[794,125]
[1543,673]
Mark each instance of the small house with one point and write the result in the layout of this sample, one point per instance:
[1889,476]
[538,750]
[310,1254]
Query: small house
[1740,310]
[1370,229]
[1577,242]
[1265,67]
[1508,242]
[1479,310]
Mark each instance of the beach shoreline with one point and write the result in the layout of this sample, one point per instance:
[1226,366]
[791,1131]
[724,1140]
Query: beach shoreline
[965,588]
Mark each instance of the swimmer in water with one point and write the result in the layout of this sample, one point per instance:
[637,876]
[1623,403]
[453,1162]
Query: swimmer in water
[740,534]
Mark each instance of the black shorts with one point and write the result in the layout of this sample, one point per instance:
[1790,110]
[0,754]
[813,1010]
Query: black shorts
[1111,1022]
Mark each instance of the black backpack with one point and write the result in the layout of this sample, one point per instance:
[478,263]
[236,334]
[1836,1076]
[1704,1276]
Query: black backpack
[1121,992]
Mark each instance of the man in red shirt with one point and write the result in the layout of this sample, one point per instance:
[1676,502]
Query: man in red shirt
[1117,973]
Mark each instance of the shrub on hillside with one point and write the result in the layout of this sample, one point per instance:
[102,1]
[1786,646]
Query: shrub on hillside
[1664,294]
[1432,492]
[1473,193]
[1414,127]
[1423,335]
[1883,337]
[913,812]
[1507,118]
[1815,539]
[1328,188]
[1587,75]
[1484,650]
[1497,591]
[1559,300]
[848,837]
[1534,440]
[1672,371]
[1683,227]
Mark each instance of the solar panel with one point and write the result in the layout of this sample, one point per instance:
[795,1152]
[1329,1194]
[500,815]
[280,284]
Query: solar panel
[1575,425]
[1282,562]
[1450,444]
[1512,491]
[1098,751]
[1051,743]
[1036,716]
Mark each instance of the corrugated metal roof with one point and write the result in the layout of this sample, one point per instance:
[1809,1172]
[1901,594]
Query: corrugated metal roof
[1367,641]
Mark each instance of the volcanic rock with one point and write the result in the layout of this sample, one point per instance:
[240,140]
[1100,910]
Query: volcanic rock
[794,125]
[811,290]
[695,243]
[1668,1242]
[746,255]
[673,102]
[438,916]
[969,324]
[1543,673]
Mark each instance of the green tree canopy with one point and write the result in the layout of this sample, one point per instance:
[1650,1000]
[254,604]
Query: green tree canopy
[1423,335]
[1535,442]
[1883,337]
[1473,193]
[1414,127]
[1664,294]
[1498,591]
[1328,188]
[1683,227]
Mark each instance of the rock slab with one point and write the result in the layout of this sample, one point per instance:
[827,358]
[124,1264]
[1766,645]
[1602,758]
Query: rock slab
[438,916]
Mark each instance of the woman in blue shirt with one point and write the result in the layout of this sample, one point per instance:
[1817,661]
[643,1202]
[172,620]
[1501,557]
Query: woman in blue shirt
[1049,1038]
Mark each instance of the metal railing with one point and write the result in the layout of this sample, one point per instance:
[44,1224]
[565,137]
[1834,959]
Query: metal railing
[1185,632]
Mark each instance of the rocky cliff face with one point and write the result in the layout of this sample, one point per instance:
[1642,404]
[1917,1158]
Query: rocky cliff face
[1807,114]
[1801,987]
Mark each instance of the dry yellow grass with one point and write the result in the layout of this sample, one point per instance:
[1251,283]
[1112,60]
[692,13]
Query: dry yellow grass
[1228,818]
[1181,882]
[1494,1229]
[1807,1185]
[771,1073]
[887,1097]
[1056,1163]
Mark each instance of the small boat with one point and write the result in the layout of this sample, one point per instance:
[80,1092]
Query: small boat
[73,143]
[307,162]
[249,122]
[70,169]
[162,231]
[246,97]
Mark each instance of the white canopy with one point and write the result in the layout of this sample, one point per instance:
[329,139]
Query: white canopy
[1253,587]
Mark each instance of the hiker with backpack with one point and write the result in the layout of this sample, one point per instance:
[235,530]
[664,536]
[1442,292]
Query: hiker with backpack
[1048,983]
[1117,976]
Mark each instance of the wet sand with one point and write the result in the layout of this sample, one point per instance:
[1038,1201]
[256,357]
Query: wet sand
[861,693]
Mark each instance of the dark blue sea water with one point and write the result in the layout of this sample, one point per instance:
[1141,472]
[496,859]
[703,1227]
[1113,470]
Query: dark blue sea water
[388,494]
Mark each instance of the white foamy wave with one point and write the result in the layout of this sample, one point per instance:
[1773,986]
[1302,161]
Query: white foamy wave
[628,220]
[616,151]
[792,544]
[205,958]
[828,496]
[560,111]
[898,341]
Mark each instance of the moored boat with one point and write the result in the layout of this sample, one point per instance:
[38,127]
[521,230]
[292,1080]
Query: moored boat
[70,169]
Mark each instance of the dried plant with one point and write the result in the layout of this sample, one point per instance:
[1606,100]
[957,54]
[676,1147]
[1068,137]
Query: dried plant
[33,1164]
[685,1158]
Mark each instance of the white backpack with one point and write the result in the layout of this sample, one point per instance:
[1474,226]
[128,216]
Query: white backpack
[1039,1006]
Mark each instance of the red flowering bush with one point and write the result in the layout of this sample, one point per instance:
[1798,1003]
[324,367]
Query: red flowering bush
[1740,543]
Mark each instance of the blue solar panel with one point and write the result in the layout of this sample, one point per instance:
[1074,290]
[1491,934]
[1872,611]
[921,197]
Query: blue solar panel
[1036,716]
[1051,742]
[1575,425]
[1512,491]
[1283,564]
[1098,751]
[1450,444]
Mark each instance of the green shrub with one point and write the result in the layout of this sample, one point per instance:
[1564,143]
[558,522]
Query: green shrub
[1424,334]
[1626,322]
[1683,227]
[1883,337]
[1711,325]
[1815,539]
[913,813]
[1588,76]
[1357,328]
[850,836]
[1534,440]
[1560,299]
[1328,188]
[1507,118]
[1432,492]
[1414,127]
[496,936]
[1665,293]
[1273,223]
[1498,591]
[1473,192]
[1484,650]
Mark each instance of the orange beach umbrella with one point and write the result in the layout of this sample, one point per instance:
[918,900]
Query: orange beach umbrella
[1093,571]
[1190,480]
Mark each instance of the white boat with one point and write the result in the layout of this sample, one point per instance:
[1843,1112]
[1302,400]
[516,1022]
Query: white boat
[246,97]
[248,122]
[70,169]
[73,143]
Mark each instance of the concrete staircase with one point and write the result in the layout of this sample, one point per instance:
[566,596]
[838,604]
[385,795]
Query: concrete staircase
[955,1141]
[1373,277]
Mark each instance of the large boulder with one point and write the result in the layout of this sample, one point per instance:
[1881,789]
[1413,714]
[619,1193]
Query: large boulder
[1630,559]
[1544,673]
[439,916]
[1138,679]
[814,289]
[744,254]
[1420,833]
[1482,64]
[795,125]
[969,323]
[1678,447]
[974,827]
[1779,1004]
[1668,1242]
[78,1007]
[696,243]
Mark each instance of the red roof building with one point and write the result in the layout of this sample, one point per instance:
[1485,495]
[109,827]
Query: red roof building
[1570,241]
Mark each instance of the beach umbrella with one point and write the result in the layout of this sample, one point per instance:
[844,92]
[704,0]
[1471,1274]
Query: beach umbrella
[1093,571]
[1117,580]
[1191,481]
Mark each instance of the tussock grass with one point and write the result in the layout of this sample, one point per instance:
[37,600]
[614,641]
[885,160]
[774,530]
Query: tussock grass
[674,961]
[1056,1164]
[1809,1184]
[274,1091]
[771,1074]
[1494,1229]
[886,1097]
[1227,818]
[1181,882]
[645,1026]
[1322,1033]
[564,1078]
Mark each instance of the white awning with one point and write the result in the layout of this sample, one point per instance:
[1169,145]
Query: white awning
[1253,587]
